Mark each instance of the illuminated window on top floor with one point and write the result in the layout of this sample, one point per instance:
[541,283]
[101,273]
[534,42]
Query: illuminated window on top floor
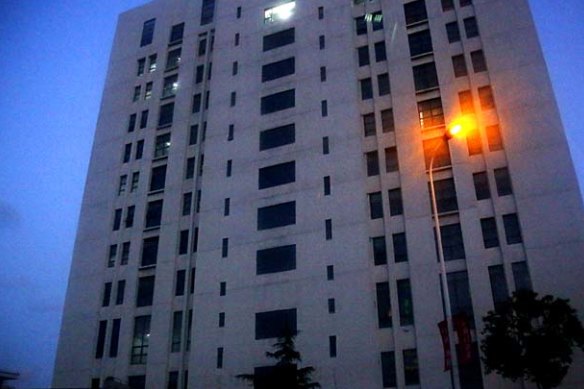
[280,12]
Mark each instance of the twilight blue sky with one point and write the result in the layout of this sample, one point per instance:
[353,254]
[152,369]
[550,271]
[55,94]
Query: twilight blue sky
[53,60]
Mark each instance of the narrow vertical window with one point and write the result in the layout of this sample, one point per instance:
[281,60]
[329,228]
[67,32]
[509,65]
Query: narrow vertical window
[222,288]
[330,272]
[379,250]
[120,291]
[331,305]
[411,372]
[383,305]
[325,145]
[106,296]
[499,290]
[115,338]
[320,13]
[395,202]
[327,185]
[183,242]
[321,42]
[332,346]
[375,205]
[220,358]
[328,224]
[512,228]
[406,307]
[226,206]
[324,108]
[99,348]
[147,32]
[179,286]
[489,230]
[177,319]
[225,247]
[372,160]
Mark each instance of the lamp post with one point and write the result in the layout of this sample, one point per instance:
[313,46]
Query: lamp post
[455,129]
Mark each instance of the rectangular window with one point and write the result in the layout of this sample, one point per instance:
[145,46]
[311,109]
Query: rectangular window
[466,102]
[332,346]
[324,108]
[158,178]
[137,381]
[236,39]
[375,205]
[383,305]
[127,153]
[148,91]
[400,247]
[145,294]
[183,242]
[179,287]
[170,86]
[383,84]
[425,76]
[452,242]
[190,168]
[234,68]
[173,59]
[503,181]
[499,289]
[395,202]
[141,66]
[415,12]
[100,346]
[376,19]
[139,149]
[369,124]
[372,160]
[321,42]
[320,13]
[366,89]
[278,69]
[327,185]
[125,253]
[521,276]
[172,380]
[391,160]
[360,25]
[325,145]
[512,228]
[226,206]
[406,306]
[187,202]
[489,230]
[277,137]
[459,66]
[278,215]
[411,373]
[152,59]
[276,259]
[147,32]
[176,33]
[120,291]
[459,290]
[275,324]
[330,272]
[113,250]
[486,97]
[278,102]
[224,247]
[453,32]
[388,373]
[166,115]
[278,39]
[122,184]
[276,175]
[471,27]
[140,340]
[129,222]
[379,250]
[221,319]
[220,358]
[177,319]
[115,338]
[387,123]
[323,73]
[144,119]
[149,251]
[162,146]
[380,52]
[233,99]
[196,103]
[481,185]
[473,142]
[132,122]
[445,191]
[107,293]
[230,133]
[430,113]
[153,214]
[117,219]
[438,148]
[479,63]
[229,168]
[420,43]
[494,138]
[363,55]
[328,226]
[207,12]
[135,180]
[331,305]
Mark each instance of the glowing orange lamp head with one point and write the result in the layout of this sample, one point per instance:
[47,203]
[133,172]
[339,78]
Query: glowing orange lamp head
[460,127]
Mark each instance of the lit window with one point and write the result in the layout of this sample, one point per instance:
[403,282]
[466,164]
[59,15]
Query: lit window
[280,12]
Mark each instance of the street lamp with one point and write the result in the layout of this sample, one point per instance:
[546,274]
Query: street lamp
[457,128]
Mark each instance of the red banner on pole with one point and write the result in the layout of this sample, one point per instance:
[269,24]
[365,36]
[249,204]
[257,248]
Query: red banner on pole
[443,327]
[462,328]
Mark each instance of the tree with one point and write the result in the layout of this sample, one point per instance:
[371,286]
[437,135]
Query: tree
[531,338]
[285,374]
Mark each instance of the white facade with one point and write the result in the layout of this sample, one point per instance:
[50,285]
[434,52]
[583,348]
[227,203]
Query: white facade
[339,264]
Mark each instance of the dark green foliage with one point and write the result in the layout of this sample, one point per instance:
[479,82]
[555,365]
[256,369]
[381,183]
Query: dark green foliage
[532,338]
[285,374]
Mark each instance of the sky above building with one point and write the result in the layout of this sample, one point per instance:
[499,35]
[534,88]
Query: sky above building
[53,62]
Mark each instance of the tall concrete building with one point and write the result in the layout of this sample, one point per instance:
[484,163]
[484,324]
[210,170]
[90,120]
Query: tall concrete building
[262,165]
